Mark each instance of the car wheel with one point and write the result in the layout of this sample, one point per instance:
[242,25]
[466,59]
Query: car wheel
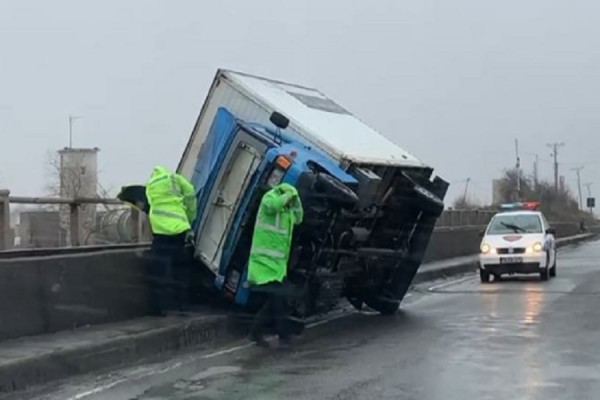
[544,273]
[553,269]
[484,276]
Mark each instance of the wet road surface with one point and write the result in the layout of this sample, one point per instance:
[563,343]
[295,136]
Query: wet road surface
[516,339]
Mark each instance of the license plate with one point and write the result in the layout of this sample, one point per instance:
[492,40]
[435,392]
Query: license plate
[511,260]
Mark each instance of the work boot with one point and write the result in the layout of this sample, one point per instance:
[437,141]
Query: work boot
[259,340]
[285,342]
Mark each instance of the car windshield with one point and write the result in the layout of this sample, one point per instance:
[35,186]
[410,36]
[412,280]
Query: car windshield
[517,223]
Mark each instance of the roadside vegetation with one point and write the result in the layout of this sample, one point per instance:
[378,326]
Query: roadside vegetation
[557,205]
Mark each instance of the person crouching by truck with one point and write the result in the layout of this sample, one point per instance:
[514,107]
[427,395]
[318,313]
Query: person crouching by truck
[172,210]
[279,211]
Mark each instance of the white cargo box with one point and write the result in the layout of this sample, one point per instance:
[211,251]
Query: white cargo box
[312,115]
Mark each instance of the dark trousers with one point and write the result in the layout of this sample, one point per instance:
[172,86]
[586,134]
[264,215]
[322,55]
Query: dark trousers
[274,310]
[168,274]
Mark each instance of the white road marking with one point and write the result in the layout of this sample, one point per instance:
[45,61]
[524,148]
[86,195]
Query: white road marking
[110,385]
[226,351]
[97,390]
[450,283]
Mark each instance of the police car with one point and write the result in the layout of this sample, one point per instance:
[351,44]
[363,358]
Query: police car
[518,240]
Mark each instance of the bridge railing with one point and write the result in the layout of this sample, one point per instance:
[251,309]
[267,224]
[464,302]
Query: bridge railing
[460,218]
[133,227]
[136,221]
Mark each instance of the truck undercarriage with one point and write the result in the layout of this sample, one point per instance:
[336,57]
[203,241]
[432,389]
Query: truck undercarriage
[362,244]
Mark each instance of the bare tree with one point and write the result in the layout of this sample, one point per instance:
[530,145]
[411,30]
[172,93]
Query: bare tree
[559,205]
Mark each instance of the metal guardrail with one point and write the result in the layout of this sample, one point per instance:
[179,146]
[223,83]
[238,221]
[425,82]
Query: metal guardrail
[63,201]
[57,251]
[75,223]
[460,218]
[449,220]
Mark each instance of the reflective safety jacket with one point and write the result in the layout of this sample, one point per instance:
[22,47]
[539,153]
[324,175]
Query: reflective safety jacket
[172,201]
[272,237]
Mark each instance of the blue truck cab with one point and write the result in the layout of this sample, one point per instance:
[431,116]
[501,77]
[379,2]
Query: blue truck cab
[238,162]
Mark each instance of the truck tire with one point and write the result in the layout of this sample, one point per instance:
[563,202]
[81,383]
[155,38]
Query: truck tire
[383,305]
[335,189]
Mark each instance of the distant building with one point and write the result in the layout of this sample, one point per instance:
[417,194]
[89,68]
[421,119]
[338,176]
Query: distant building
[79,178]
[40,228]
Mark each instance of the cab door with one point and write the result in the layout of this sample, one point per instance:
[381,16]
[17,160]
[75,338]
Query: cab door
[225,165]
[224,202]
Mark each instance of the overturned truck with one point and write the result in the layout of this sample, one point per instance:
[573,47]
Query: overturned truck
[370,206]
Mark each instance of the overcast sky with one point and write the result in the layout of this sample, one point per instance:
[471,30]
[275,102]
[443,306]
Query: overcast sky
[453,82]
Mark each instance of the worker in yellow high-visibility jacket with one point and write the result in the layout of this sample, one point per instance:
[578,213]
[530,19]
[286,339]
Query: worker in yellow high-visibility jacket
[172,202]
[279,212]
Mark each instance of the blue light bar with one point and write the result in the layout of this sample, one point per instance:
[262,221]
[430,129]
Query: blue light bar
[511,206]
[530,205]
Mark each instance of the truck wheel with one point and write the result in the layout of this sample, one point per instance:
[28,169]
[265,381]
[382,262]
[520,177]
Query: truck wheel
[384,306]
[335,189]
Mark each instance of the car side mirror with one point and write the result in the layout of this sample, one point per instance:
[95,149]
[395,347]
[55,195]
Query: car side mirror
[551,231]
[481,233]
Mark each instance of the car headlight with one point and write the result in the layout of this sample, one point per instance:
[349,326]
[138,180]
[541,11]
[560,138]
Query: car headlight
[537,247]
[486,248]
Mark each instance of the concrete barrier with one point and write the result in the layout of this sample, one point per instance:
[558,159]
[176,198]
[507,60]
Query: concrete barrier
[47,294]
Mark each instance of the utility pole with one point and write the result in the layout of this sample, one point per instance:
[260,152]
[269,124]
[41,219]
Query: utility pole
[466,189]
[535,172]
[518,167]
[578,171]
[554,146]
[72,119]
